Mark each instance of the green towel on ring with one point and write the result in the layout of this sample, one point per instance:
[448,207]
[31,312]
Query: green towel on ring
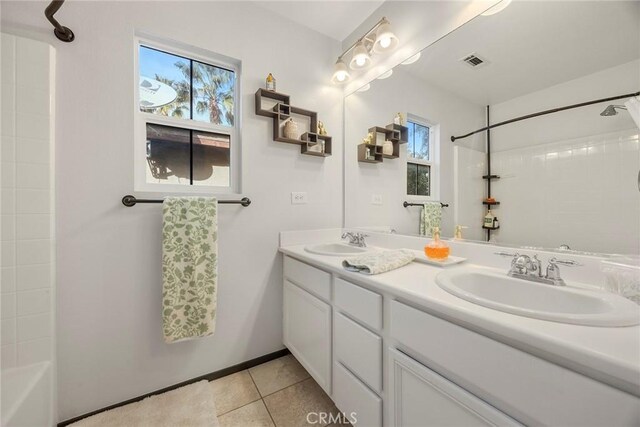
[430,217]
[189,267]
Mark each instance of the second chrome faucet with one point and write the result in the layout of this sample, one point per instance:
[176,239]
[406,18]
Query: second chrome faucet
[530,268]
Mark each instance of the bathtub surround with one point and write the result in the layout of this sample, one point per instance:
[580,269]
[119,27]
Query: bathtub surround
[189,267]
[28,290]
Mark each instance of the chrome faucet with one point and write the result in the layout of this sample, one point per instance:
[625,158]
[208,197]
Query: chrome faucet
[356,239]
[528,268]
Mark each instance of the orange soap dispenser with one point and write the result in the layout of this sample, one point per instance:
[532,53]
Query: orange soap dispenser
[437,249]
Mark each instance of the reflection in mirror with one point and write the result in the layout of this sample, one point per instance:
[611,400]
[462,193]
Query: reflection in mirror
[567,178]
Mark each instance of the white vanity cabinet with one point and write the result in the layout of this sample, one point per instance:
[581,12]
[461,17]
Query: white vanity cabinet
[307,319]
[388,362]
[420,397]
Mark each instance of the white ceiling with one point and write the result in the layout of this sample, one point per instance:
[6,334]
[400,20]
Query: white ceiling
[532,45]
[335,18]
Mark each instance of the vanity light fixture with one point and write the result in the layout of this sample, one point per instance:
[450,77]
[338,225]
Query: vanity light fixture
[413,59]
[498,7]
[340,72]
[364,88]
[385,75]
[386,41]
[361,58]
[379,39]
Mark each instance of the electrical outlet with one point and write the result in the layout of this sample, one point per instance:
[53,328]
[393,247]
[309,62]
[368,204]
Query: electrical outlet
[299,198]
[376,199]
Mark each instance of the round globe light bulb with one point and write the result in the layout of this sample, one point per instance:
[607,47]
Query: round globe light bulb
[385,42]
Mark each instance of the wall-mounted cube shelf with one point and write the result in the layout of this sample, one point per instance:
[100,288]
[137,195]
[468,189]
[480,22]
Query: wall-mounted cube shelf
[310,142]
[397,134]
[375,151]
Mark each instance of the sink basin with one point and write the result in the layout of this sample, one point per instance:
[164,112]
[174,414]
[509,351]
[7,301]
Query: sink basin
[555,303]
[335,249]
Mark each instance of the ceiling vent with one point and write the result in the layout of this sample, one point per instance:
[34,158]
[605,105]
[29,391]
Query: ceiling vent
[474,61]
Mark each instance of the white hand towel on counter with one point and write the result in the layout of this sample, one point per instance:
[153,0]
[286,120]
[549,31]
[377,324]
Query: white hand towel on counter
[379,262]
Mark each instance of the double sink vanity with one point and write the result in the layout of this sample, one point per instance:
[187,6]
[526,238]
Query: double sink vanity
[465,344]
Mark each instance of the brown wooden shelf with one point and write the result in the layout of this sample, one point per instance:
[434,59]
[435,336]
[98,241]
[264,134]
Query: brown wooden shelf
[394,133]
[282,111]
[377,153]
[404,132]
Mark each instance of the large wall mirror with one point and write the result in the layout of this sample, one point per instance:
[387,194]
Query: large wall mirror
[567,179]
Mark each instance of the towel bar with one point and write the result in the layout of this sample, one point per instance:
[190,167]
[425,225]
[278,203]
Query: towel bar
[130,201]
[406,204]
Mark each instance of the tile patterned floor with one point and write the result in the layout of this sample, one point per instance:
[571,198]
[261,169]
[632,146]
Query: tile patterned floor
[279,393]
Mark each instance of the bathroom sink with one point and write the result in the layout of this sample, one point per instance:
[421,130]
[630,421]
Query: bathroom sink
[335,249]
[541,301]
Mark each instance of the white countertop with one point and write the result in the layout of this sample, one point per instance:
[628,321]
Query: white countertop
[609,355]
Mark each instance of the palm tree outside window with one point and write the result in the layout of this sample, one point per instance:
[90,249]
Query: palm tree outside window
[192,146]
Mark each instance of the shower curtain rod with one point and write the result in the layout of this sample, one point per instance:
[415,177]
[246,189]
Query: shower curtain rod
[130,201]
[62,33]
[542,113]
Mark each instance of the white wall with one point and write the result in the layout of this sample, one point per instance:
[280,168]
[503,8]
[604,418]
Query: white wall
[109,294]
[27,295]
[377,107]
[570,177]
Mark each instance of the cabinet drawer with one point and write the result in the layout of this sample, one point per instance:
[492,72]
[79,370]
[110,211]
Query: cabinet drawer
[355,399]
[359,350]
[362,304]
[496,372]
[316,281]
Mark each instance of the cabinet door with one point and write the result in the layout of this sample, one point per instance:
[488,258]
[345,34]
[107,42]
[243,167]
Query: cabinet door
[420,397]
[307,332]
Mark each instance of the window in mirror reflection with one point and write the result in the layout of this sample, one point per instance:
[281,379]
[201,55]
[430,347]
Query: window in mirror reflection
[418,145]
[420,157]
[418,179]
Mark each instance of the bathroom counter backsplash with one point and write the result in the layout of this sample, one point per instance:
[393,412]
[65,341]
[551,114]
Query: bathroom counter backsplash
[607,354]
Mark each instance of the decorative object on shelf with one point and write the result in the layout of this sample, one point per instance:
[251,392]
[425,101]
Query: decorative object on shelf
[379,39]
[290,129]
[457,234]
[271,83]
[321,129]
[383,143]
[398,119]
[286,130]
[387,148]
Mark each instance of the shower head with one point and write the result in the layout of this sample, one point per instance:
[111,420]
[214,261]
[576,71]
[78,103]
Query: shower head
[611,110]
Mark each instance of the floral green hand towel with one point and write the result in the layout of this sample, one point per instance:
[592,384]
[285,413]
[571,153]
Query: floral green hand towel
[189,267]
[379,262]
[430,217]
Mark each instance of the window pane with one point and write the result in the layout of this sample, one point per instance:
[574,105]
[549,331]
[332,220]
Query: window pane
[410,145]
[211,159]
[424,180]
[164,83]
[412,179]
[421,142]
[168,154]
[213,94]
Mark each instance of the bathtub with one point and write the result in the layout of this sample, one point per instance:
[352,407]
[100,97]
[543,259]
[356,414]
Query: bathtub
[26,396]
